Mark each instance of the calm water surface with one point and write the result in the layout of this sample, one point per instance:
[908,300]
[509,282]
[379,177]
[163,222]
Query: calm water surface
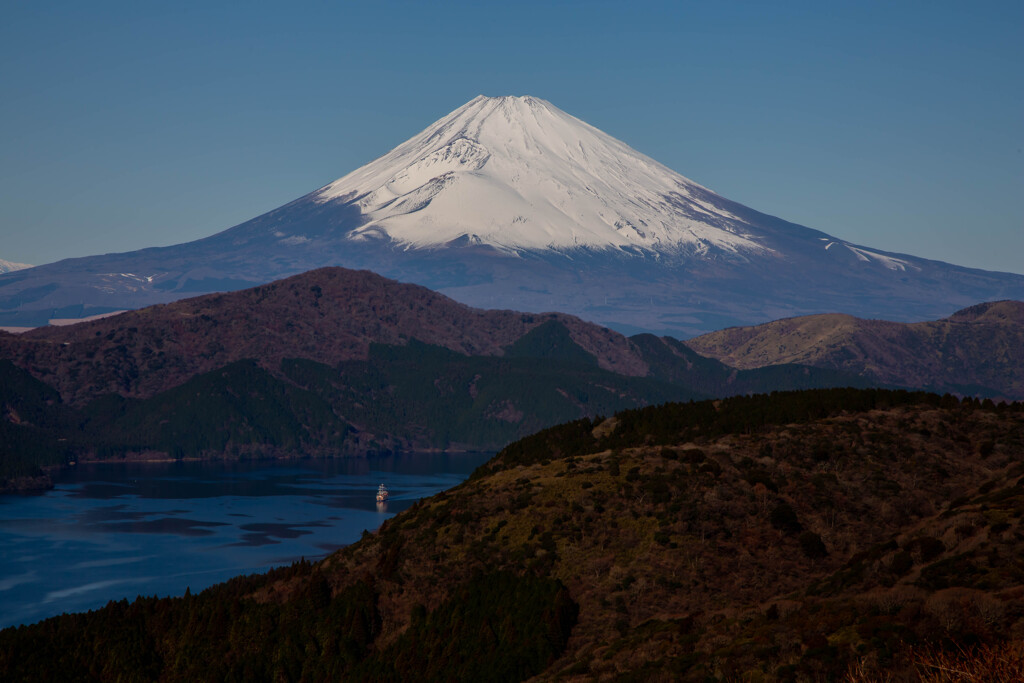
[113,531]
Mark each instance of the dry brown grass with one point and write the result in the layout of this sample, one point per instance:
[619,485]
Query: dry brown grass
[990,663]
[999,663]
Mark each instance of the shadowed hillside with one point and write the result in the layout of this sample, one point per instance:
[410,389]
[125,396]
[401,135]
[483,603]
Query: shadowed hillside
[327,315]
[332,362]
[798,536]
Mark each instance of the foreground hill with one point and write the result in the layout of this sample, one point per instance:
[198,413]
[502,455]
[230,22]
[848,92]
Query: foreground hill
[798,536]
[976,351]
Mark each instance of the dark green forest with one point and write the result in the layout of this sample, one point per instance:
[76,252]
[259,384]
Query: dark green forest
[413,396]
[496,627]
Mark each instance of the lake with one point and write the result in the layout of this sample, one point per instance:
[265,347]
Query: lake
[113,530]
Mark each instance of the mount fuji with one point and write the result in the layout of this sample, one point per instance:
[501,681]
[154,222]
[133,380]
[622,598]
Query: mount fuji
[509,202]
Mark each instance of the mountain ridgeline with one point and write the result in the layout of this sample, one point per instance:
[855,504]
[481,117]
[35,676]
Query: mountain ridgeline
[815,535]
[510,202]
[332,362]
[976,351]
[337,362]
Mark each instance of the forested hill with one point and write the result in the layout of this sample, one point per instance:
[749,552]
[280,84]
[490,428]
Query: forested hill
[976,351]
[813,535]
[329,316]
[330,363]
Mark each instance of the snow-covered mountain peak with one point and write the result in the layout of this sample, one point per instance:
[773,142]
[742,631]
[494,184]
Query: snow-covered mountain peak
[518,173]
[603,232]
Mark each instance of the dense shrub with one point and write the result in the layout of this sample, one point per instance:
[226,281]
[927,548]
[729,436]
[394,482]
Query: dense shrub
[497,627]
[783,517]
[812,545]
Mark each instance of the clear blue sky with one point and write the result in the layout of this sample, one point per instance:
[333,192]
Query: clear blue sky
[133,124]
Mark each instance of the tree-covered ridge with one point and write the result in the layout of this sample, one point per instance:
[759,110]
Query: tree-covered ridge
[977,351]
[713,556]
[238,410]
[328,315]
[671,360]
[410,396]
[33,421]
[428,396]
[501,626]
[550,340]
[414,396]
[796,536]
[681,422]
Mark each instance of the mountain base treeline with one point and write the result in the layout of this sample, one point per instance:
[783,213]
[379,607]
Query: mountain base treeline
[496,627]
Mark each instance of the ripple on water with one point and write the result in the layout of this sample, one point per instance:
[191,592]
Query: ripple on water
[113,531]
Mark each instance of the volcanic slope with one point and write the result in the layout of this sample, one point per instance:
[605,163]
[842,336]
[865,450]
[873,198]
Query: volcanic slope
[509,202]
[798,536]
[976,351]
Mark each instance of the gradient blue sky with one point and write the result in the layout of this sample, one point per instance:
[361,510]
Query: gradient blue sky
[133,124]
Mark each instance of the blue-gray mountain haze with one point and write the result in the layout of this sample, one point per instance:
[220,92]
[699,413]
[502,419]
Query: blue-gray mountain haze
[512,203]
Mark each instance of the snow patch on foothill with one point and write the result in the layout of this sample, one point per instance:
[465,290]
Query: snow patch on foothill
[11,266]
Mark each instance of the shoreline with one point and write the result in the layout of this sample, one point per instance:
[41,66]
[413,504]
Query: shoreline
[38,484]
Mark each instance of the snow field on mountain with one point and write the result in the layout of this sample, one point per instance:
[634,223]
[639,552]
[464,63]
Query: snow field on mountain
[518,173]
